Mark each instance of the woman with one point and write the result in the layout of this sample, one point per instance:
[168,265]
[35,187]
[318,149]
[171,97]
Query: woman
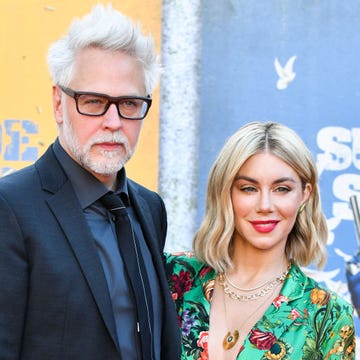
[242,295]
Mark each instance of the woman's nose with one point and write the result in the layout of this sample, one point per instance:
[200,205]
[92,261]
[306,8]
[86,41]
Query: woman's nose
[265,202]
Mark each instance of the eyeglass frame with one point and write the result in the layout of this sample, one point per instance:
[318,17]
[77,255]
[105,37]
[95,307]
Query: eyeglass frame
[111,100]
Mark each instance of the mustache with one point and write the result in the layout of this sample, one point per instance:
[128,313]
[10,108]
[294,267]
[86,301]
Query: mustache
[111,138]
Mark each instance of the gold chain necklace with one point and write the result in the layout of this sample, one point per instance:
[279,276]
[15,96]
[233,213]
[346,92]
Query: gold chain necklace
[230,339]
[245,289]
[269,286]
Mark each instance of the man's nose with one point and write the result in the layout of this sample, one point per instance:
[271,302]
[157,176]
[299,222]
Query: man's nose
[112,118]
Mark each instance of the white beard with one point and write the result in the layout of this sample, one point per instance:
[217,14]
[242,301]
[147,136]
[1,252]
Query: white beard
[107,162]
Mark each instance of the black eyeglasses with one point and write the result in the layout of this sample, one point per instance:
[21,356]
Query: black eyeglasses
[96,104]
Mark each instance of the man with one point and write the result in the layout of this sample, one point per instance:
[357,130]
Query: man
[65,289]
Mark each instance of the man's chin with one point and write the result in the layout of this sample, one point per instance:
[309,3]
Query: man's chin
[105,166]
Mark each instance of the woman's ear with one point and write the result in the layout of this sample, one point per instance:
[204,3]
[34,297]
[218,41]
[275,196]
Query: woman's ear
[306,192]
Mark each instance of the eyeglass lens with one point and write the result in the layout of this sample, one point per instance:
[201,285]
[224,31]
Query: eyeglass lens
[98,105]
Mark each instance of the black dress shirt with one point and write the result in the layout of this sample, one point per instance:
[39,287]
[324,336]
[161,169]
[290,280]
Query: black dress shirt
[89,190]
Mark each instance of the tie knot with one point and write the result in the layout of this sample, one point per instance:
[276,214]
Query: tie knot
[113,203]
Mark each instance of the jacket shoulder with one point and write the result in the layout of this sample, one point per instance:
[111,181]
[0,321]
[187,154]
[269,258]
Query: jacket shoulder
[45,173]
[149,195]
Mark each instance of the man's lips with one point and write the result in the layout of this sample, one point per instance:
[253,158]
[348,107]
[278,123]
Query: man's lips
[264,226]
[109,146]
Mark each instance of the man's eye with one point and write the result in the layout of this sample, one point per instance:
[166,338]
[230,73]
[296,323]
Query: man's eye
[95,101]
[92,100]
[129,103]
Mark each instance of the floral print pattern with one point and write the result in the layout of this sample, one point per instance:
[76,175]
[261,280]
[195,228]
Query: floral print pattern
[306,321]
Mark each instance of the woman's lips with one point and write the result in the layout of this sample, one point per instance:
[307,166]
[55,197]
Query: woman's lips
[264,226]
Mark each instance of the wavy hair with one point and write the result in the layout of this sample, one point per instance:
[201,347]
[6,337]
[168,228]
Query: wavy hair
[108,29]
[306,242]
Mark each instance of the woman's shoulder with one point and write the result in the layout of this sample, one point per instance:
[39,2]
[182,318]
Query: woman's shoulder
[185,259]
[186,262]
[188,276]
[320,294]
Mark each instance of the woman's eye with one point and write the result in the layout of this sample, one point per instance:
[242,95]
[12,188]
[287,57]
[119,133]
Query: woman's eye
[282,189]
[248,189]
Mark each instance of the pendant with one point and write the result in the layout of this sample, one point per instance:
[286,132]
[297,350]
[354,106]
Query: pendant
[230,339]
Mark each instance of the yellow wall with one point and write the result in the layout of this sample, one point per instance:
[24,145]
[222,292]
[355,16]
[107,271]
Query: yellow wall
[27,126]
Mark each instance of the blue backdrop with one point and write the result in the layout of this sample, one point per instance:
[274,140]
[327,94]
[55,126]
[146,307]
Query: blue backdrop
[241,41]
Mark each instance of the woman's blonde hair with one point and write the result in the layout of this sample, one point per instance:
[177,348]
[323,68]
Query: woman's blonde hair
[307,240]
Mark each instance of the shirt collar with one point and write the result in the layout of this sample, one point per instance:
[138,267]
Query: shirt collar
[87,187]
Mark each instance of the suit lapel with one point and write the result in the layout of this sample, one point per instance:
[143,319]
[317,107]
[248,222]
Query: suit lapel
[169,320]
[151,237]
[65,207]
[142,210]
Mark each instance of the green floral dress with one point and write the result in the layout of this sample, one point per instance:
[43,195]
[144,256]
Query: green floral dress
[306,321]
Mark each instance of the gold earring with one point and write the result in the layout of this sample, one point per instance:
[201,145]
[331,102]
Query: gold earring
[301,208]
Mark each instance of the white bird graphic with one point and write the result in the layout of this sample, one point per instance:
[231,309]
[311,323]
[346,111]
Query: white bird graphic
[346,257]
[286,73]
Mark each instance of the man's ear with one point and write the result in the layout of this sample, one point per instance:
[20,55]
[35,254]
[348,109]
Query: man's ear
[57,104]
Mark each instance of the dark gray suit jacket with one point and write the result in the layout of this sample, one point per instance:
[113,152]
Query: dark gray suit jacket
[54,301]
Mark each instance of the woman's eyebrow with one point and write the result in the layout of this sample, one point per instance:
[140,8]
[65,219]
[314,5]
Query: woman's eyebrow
[277,181]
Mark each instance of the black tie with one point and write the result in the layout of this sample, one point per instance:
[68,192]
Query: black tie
[135,269]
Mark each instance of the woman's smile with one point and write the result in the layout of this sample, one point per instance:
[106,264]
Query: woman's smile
[264,226]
